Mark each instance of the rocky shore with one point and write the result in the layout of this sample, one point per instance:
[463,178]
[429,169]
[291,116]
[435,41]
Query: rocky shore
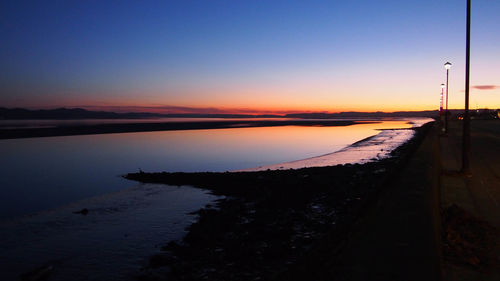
[270,222]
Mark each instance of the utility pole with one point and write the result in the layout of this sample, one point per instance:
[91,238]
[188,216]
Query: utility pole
[466,130]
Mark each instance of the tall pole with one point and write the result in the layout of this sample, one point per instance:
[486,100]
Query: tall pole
[466,130]
[441,103]
[446,112]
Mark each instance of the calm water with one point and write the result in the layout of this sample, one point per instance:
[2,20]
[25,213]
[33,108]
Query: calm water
[43,173]
[50,123]
[43,180]
[121,231]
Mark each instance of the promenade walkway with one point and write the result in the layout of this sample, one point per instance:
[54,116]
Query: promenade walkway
[478,195]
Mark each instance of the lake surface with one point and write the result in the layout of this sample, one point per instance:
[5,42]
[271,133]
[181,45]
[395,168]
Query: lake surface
[44,180]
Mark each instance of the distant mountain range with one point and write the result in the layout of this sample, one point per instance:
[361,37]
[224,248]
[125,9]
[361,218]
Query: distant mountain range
[354,114]
[68,113]
[79,113]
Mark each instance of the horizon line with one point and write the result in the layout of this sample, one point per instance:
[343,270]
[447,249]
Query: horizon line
[167,109]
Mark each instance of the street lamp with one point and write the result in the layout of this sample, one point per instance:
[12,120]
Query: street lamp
[447,66]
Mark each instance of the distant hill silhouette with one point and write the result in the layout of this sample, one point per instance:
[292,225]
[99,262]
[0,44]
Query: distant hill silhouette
[79,113]
[219,115]
[354,114]
[68,113]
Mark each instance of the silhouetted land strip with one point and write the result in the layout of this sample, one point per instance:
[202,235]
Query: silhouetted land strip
[163,126]
[320,119]
[80,113]
[68,113]
[271,222]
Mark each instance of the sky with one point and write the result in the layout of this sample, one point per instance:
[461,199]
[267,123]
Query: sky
[251,56]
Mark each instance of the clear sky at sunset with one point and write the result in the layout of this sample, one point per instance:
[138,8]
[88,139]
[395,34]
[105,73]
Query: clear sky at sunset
[246,56]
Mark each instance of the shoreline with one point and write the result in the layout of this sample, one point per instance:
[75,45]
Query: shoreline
[270,220]
[372,148]
[162,126]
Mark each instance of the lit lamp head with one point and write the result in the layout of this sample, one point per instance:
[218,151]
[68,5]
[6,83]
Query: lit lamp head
[442,86]
[447,65]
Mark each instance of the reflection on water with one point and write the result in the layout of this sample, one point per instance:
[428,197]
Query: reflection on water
[42,173]
[127,225]
[372,149]
[50,123]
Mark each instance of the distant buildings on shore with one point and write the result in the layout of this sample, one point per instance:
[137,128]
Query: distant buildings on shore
[480,114]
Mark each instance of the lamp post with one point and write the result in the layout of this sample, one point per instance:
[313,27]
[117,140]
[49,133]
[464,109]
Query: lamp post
[466,130]
[447,66]
[441,102]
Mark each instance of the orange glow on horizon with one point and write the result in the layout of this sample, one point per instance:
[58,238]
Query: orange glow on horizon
[277,102]
[249,110]
[238,108]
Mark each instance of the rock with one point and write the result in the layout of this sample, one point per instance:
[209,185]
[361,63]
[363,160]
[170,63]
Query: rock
[38,274]
[162,259]
[83,211]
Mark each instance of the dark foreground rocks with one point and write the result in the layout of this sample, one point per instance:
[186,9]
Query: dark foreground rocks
[271,221]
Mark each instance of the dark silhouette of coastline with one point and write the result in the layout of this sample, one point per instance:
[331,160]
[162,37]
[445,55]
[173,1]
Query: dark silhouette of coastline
[149,127]
[356,114]
[68,113]
[79,113]
[304,119]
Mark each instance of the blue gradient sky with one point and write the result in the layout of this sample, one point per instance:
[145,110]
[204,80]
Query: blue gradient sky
[246,55]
